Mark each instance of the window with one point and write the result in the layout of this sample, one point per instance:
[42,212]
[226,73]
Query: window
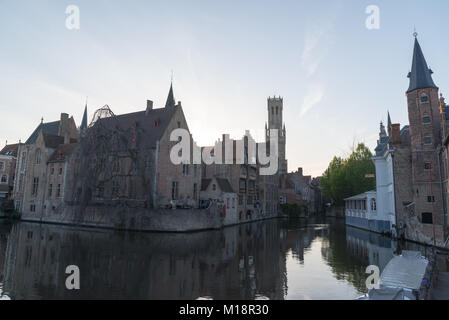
[4,179]
[427,140]
[427,166]
[58,193]
[227,203]
[100,190]
[60,170]
[195,190]
[147,161]
[115,166]
[427,218]
[240,199]
[373,205]
[242,184]
[426,119]
[35,186]
[272,110]
[115,188]
[250,200]
[233,203]
[22,160]
[424,98]
[50,190]
[214,187]
[252,184]
[185,170]
[52,170]
[277,110]
[2,166]
[430,198]
[174,190]
[179,124]
[38,156]
[33,208]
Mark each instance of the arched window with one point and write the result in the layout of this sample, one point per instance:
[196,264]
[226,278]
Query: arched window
[277,110]
[38,156]
[373,205]
[272,110]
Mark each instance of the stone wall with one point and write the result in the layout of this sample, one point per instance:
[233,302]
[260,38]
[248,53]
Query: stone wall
[127,218]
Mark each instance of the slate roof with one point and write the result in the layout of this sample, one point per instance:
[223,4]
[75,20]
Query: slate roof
[152,125]
[49,127]
[10,150]
[62,152]
[421,75]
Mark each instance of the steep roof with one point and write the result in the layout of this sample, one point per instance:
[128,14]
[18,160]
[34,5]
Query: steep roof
[10,150]
[421,75]
[49,128]
[151,124]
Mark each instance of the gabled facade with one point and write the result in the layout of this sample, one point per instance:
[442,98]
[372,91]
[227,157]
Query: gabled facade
[31,168]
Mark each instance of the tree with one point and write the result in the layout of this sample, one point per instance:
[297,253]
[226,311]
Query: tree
[346,177]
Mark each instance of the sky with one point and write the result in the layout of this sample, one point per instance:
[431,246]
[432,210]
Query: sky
[337,77]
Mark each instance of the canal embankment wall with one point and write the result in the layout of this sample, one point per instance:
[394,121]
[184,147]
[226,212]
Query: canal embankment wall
[140,219]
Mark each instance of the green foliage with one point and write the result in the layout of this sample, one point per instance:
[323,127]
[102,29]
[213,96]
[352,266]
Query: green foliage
[346,177]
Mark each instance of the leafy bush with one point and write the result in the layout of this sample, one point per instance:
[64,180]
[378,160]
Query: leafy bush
[346,177]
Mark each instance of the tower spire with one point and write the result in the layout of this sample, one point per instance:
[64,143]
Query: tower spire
[421,74]
[170,99]
[84,121]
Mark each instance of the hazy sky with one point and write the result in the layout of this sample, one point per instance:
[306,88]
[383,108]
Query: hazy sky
[337,77]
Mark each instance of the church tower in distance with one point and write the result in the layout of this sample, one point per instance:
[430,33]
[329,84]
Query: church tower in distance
[275,110]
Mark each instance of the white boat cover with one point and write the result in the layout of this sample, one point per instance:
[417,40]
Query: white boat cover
[405,271]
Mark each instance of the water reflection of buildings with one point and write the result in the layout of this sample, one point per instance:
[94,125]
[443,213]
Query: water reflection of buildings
[369,247]
[242,262]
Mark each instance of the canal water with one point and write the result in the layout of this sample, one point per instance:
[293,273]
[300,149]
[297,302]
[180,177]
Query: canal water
[273,259]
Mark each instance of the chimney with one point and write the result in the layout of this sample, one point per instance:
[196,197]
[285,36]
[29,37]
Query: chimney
[396,134]
[300,171]
[149,107]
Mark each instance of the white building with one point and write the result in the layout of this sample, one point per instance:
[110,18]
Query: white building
[383,161]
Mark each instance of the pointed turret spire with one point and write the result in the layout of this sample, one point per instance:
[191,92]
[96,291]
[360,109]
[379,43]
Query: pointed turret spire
[84,121]
[421,75]
[170,99]
[389,124]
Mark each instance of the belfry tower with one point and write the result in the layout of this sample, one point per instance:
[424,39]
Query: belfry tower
[275,109]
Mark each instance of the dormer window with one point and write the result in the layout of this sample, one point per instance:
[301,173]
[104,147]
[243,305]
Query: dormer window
[424,98]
